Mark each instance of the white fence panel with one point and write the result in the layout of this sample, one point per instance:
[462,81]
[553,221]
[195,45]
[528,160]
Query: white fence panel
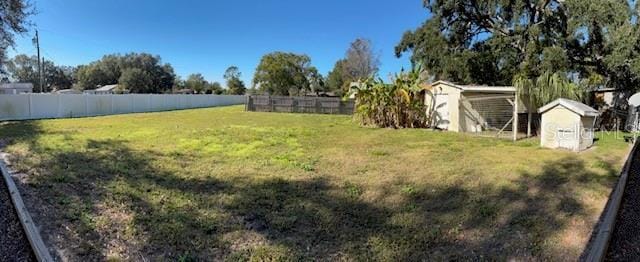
[122,104]
[183,101]
[229,100]
[37,106]
[201,101]
[211,100]
[157,103]
[171,102]
[44,106]
[206,101]
[14,107]
[74,105]
[99,105]
[140,103]
[193,101]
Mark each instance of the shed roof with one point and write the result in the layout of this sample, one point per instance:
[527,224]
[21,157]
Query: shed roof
[574,106]
[477,88]
[67,91]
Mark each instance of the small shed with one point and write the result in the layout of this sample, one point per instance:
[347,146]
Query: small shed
[567,124]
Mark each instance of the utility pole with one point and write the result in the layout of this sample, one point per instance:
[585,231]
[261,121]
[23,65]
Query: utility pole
[37,40]
[42,78]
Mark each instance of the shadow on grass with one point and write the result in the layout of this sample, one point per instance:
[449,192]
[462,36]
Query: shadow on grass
[107,199]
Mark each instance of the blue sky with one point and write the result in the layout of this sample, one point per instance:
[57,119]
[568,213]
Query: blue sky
[207,36]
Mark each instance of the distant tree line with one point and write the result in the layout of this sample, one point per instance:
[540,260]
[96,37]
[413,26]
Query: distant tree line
[138,73]
[134,72]
[25,69]
[279,73]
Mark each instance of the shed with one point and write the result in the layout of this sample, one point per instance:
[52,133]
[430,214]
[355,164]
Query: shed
[567,124]
[474,108]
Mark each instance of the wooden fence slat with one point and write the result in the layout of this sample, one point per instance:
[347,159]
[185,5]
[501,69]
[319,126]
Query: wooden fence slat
[300,104]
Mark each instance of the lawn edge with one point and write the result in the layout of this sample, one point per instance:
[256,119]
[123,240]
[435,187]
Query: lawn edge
[28,225]
[598,249]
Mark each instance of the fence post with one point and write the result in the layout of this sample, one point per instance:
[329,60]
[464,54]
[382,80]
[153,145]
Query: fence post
[59,114]
[86,105]
[317,103]
[30,104]
[271,103]
[294,105]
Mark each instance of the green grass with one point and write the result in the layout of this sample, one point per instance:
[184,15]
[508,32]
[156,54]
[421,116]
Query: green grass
[221,183]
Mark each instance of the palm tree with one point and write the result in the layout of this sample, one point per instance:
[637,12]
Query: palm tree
[543,90]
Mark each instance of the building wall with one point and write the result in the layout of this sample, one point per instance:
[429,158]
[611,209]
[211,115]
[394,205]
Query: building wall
[38,106]
[586,135]
[17,90]
[452,103]
[556,118]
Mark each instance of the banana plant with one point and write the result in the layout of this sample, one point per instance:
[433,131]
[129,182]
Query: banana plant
[399,104]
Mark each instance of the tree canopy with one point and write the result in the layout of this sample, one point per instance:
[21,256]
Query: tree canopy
[360,63]
[23,68]
[281,73]
[337,79]
[14,16]
[136,81]
[491,41]
[196,82]
[235,86]
[156,76]
[214,88]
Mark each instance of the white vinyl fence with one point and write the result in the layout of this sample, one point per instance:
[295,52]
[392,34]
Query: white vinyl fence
[38,106]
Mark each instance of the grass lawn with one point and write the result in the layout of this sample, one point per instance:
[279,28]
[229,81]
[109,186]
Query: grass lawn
[218,183]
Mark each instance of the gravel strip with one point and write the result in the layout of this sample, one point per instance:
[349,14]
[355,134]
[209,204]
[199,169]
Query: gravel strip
[625,240]
[14,245]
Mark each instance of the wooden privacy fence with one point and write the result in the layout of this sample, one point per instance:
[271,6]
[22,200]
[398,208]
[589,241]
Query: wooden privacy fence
[300,104]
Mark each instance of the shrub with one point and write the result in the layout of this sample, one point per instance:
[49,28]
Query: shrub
[399,104]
